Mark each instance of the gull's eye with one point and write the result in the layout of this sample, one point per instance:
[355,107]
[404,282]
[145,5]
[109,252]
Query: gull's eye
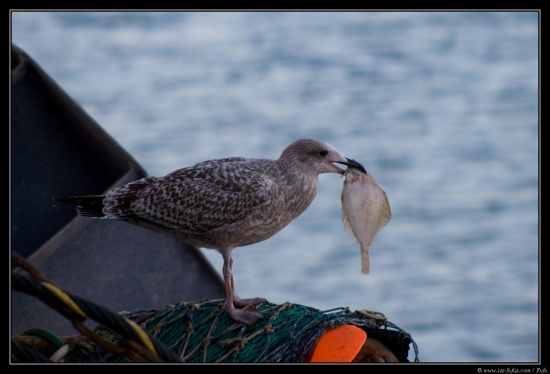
[323,153]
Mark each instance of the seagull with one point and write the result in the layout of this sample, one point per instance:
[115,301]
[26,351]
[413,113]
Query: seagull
[222,204]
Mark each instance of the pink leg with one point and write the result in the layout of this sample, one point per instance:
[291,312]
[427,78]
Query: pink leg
[248,314]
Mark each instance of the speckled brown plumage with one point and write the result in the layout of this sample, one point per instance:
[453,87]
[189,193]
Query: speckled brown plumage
[222,204]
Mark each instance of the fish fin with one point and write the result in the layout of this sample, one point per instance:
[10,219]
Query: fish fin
[347,226]
[386,213]
[365,260]
[384,217]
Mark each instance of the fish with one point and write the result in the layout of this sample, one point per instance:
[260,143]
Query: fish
[365,209]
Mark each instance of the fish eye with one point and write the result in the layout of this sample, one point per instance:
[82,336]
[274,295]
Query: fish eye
[323,153]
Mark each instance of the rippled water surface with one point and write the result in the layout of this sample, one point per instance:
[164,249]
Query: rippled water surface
[442,108]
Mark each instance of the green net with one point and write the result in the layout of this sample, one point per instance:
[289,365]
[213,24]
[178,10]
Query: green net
[203,332]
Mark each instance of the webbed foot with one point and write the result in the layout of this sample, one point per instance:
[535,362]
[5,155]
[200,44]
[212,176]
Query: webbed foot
[251,302]
[247,315]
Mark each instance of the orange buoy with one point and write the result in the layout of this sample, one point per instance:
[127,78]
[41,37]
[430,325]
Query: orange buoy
[340,344]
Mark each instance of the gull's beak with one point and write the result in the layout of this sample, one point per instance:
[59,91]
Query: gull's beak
[351,164]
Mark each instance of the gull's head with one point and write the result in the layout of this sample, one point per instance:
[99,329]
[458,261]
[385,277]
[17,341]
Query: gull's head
[317,156]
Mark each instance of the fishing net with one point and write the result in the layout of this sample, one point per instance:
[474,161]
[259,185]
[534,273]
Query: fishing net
[203,332]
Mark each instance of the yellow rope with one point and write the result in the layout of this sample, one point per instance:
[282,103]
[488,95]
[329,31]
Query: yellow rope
[65,298]
[143,336]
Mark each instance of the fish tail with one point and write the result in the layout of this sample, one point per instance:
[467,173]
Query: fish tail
[365,260]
